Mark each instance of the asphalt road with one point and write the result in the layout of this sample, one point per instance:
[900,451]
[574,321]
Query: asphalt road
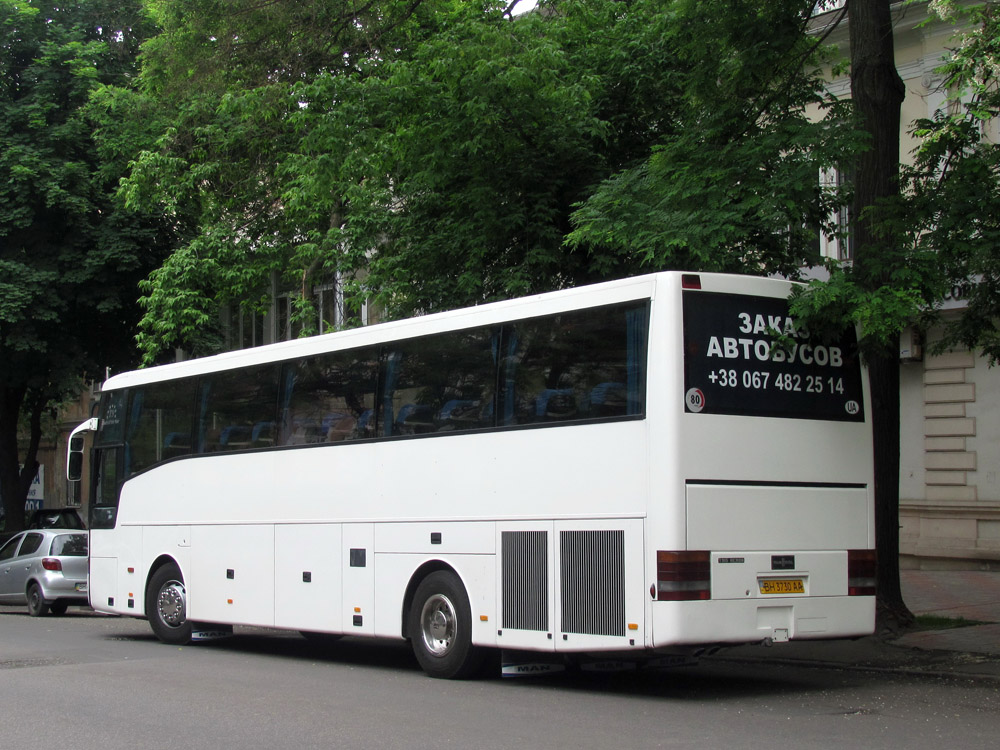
[89,681]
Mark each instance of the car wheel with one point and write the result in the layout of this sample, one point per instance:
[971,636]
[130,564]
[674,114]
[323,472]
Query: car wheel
[166,606]
[440,628]
[58,608]
[36,602]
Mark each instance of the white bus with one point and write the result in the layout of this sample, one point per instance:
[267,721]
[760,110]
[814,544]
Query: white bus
[627,468]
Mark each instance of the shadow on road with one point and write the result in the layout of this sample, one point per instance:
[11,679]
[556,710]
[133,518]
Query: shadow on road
[688,684]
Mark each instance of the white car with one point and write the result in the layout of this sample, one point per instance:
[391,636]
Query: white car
[45,569]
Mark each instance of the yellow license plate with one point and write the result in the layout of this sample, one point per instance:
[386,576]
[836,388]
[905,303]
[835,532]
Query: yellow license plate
[781,586]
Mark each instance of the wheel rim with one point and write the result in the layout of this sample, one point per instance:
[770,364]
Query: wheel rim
[171,604]
[438,624]
[34,599]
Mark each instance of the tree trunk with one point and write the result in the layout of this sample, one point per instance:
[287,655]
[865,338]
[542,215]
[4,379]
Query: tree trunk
[11,400]
[892,612]
[877,92]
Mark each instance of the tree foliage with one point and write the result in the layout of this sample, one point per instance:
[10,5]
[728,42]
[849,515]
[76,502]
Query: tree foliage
[441,153]
[69,262]
[952,211]
[222,80]
[727,180]
[939,236]
[458,185]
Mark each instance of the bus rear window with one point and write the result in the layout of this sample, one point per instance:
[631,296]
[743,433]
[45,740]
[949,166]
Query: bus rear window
[734,365]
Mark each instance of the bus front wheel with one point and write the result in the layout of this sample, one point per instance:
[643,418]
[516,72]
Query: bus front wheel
[440,628]
[166,606]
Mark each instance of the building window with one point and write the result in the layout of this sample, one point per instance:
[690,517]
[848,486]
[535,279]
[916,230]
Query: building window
[285,326]
[838,245]
[251,328]
[335,312]
[247,328]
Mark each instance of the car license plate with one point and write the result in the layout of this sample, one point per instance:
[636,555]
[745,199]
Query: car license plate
[781,586]
[81,587]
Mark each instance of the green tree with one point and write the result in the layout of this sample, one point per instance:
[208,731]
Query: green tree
[437,153]
[222,80]
[918,233]
[727,181]
[951,206]
[458,163]
[69,261]
[672,134]
[877,92]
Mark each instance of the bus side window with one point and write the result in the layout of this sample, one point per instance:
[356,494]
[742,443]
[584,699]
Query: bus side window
[329,398]
[582,365]
[159,423]
[233,405]
[440,383]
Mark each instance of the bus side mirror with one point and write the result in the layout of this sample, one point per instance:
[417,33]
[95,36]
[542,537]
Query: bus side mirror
[74,464]
[74,456]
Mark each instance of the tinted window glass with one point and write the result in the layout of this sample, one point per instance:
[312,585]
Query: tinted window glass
[70,545]
[581,365]
[329,398]
[107,477]
[732,364]
[112,424]
[440,383]
[238,409]
[30,544]
[8,550]
[159,423]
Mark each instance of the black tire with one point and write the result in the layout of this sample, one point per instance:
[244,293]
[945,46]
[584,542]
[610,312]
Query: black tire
[166,606]
[440,628]
[58,608]
[36,602]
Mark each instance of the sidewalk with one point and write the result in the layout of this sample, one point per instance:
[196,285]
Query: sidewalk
[972,651]
[971,595]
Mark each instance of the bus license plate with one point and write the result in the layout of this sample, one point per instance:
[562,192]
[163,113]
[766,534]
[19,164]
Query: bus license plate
[781,586]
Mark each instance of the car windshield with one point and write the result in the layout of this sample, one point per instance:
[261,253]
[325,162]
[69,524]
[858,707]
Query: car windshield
[70,545]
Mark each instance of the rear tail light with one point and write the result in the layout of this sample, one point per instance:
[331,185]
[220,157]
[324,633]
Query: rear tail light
[683,576]
[51,563]
[861,570]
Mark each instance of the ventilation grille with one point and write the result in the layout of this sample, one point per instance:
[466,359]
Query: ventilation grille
[592,577]
[525,578]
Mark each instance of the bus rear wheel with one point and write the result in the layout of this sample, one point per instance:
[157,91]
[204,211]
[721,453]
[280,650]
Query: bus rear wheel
[166,606]
[440,628]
